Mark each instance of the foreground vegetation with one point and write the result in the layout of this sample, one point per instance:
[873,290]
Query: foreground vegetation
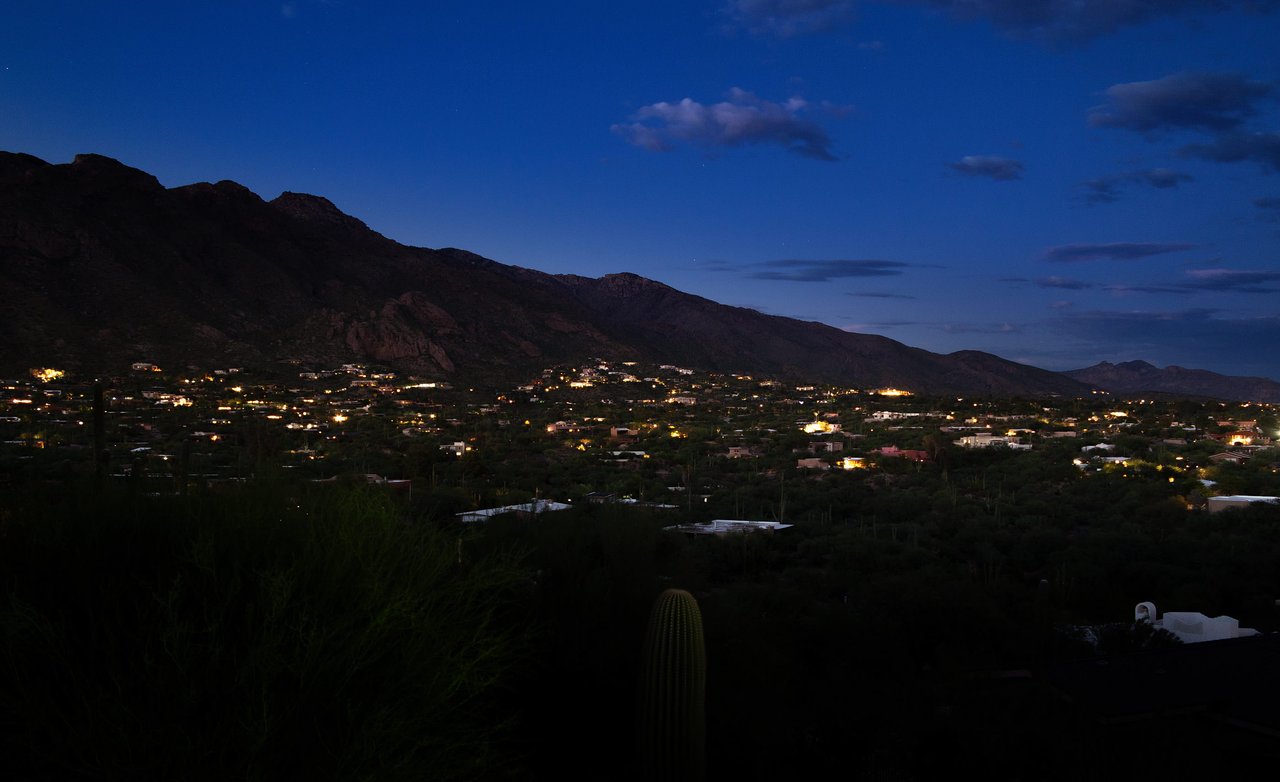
[262,635]
[282,631]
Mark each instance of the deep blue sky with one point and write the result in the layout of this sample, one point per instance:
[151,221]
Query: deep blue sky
[1056,181]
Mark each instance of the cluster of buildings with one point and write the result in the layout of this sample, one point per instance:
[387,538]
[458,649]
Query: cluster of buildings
[174,427]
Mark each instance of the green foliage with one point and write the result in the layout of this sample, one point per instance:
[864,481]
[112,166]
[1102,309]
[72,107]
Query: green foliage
[1259,475]
[252,636]
[673,690]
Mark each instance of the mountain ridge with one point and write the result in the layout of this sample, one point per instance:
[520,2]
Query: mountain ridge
[105,266]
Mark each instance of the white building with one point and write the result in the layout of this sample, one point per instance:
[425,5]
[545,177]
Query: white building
[1192,626]
[526,509]
[728,526]
[987,440]
[1219,504]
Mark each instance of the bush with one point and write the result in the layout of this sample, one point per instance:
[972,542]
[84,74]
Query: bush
[252,636]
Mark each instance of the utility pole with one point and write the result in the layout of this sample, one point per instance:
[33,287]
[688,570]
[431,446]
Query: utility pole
[782,496]
[99,435]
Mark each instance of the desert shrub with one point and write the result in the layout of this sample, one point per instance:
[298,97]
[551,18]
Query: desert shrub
[255,636]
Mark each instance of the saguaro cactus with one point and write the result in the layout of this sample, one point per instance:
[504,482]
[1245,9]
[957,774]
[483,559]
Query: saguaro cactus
[673,690]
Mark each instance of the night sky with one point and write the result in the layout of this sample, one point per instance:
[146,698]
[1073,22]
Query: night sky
[1059,182]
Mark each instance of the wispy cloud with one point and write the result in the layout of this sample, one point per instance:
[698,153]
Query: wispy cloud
[982,328]
[880,324]
[992,166]
[1073,21]
[1064,283]
[1261,148]
[877,295]
[1107,189]
[790,18]
[1115,251]
[1050,22]
[1213,102]
[1122,289]
[795,270]
[741,119]
[1214,279]
[1237,280]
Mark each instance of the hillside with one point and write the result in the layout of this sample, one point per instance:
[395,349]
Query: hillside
[104,266]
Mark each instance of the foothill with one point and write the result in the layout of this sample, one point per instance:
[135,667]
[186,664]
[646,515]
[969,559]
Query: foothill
[705,444]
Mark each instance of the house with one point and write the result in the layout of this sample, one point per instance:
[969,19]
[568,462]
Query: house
[523,510]
[890,415]
[635,503]
[826,446]
[812,463]
[728,527]
[1192,626]
[903,453]
[1228,456]
[819,427]
[987,440]
[1219,504]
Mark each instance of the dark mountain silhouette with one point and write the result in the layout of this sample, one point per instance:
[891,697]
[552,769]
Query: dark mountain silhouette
[104,266]
[1138,377]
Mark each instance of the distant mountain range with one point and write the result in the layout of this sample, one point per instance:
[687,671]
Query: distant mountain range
[103,266]
[1139,377]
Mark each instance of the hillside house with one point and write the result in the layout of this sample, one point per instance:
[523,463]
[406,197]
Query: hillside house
[1192,626]
[1229,456]
[826,446]
[988,440]
[903,453]
[1226,502]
